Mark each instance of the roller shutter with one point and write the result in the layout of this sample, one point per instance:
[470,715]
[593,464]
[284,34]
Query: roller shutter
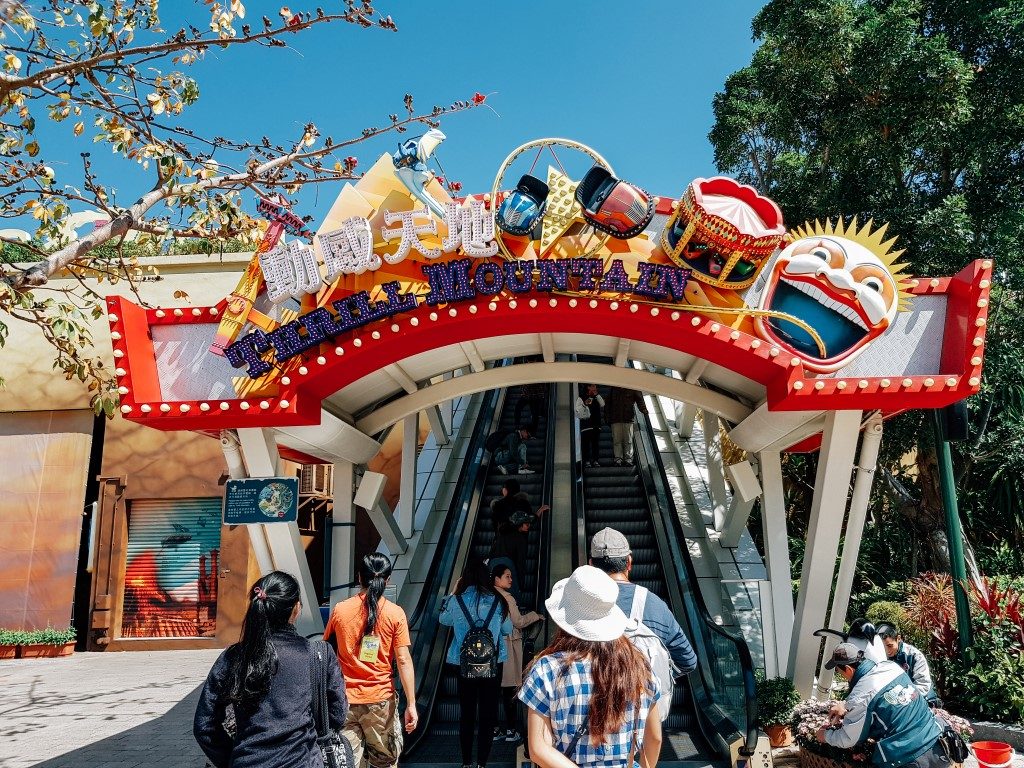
[170,584]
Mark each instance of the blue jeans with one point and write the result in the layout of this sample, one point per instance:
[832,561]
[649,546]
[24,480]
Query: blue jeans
[504,456]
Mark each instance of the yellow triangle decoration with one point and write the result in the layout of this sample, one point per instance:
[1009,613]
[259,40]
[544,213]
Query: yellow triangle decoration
[562,209]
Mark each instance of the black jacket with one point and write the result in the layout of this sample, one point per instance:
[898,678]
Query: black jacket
[280,733]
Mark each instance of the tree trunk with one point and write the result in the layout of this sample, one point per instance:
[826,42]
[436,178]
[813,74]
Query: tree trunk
[928,516]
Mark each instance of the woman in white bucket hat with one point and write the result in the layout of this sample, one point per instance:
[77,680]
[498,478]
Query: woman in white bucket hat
[589,693]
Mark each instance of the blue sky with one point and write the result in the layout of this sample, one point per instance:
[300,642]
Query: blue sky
[633,80]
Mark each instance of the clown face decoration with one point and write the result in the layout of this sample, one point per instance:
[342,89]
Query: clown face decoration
[845,285]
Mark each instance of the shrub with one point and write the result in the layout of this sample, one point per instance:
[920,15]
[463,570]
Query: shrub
[988,679]
[893,592]
[48,636]
[54,636]
[12,637]
[931,602]
[776,699]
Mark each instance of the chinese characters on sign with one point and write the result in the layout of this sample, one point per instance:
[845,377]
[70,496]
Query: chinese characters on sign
[291,269]
[261,500]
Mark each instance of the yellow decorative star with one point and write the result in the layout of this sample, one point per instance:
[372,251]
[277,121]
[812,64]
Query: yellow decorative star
[562,209]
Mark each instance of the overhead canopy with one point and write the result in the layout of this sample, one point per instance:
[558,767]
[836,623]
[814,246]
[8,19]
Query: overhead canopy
[826,321]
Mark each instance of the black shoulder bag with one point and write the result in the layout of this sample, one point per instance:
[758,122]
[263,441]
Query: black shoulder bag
[334,748]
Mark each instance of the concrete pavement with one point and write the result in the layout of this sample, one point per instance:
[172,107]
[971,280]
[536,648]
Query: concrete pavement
[124,710]
[102,710]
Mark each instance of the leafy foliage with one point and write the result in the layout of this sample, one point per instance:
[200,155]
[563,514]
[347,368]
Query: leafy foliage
[776,699]
[121,82]
[907,111]
[48,636]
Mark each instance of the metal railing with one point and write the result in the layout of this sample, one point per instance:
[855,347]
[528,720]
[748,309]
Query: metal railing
[431,644]
[723,683]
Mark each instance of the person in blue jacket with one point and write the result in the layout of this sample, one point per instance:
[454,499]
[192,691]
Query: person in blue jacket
[610,551]
[884,705]
[265,680]
[910,660]
[476,590]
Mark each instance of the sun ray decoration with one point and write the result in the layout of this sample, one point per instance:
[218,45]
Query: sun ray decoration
[872,239]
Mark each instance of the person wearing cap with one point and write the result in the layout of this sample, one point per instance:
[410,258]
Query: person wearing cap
[512,543]
[590,693]
[883,705]
[610,552]
[910,660]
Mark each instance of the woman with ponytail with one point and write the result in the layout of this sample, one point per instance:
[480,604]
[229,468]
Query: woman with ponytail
[369,632]
[260,688]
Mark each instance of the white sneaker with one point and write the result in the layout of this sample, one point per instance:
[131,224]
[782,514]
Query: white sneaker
[501,469]
[527,471]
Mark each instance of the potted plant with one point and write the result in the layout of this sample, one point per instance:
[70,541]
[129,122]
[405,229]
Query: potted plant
[775,701]
[49,643]
[10,640]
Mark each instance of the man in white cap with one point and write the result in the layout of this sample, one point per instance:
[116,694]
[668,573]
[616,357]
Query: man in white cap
[610,551]
[884,705]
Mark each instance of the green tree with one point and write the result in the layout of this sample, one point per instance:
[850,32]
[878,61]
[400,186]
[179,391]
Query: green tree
[118,79]
[911,112]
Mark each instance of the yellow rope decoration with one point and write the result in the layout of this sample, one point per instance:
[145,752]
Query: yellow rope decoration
[764,313]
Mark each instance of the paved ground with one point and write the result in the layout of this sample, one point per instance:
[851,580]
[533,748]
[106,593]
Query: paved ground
[124,710]
[102,710]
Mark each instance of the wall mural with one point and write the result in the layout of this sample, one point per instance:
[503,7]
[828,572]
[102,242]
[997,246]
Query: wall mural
[170,584]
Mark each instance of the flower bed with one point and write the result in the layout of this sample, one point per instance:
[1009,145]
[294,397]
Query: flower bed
[811,714]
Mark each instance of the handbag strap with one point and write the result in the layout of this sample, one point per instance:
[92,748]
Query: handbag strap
[318,678]
[584,727]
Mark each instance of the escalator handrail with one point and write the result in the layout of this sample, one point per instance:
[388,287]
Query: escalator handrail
[546,496]
[667,516]
[431,647]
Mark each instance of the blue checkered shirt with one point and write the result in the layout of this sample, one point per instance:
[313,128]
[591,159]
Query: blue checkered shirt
[562,694]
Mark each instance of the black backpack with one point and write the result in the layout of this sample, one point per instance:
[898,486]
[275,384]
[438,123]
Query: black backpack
[478,656]
[495,439]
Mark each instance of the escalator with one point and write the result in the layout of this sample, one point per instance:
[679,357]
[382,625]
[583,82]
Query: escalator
[714,707]
[436,740]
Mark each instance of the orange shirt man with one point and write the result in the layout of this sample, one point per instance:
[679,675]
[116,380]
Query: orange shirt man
[372,725]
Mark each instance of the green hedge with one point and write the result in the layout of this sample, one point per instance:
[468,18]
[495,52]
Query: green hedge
[48,636]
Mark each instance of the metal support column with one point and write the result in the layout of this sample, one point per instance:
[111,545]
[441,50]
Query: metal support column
[954,534]
[831,488]
[865,475]
[261,458]
[343,533]
[776,555]
[407,485]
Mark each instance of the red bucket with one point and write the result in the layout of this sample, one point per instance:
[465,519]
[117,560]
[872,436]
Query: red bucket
[992,754]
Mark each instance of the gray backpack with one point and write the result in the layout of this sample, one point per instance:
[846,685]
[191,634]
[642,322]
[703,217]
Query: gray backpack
[654,650]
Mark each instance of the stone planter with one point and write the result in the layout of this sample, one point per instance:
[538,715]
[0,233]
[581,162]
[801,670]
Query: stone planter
[779,735]
[809,759]
[1011,734]
[9,651]
[46,651]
